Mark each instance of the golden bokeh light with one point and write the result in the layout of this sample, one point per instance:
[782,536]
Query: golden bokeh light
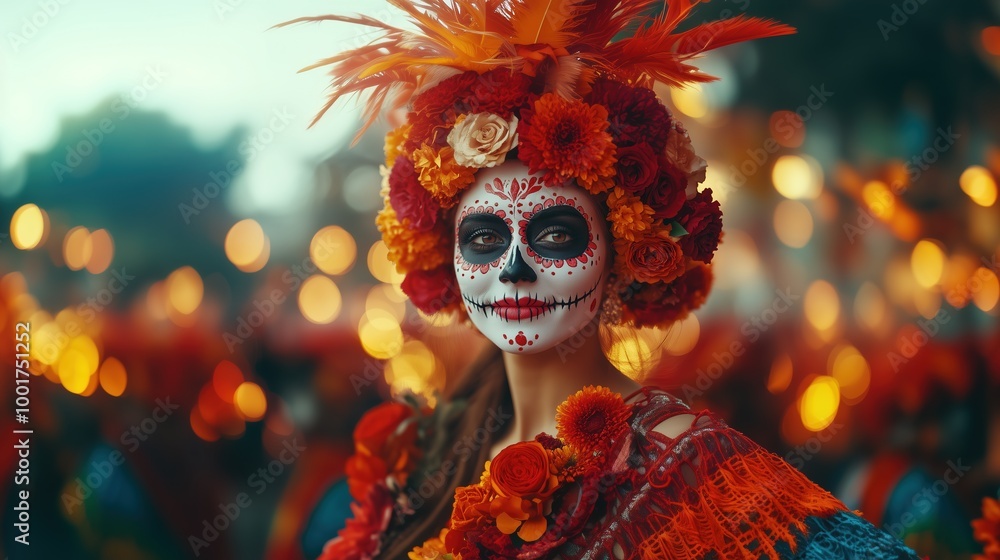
[793,223]
[28,227]
[113,377]
[77,248]
[879,199]
[380,266]
[77,363]
[927,262]
[851,370]
[333,250]
[683,336]
[781,374]
[246,245]
[819,403]
[102,251]
[319,299]
[414,368]
[380,334]
[978,183]
[822,305]
[985,289]
[870,306]
[634,352]
[250,400]
[690,100]
[184,290]
[383,297]
[797,177]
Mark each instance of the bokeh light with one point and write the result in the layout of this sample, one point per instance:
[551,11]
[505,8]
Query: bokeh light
[927,262]
[250,400]
[184,290]
[380,266]
[77,248]
[819,403]
[380,334]
[28,227]
[793,223]
[978,183]
[797,177]
[851,370]
[113,376]
[333,250]
[246,245]
[226,378]
[822,305]
[319,299]
[102,251]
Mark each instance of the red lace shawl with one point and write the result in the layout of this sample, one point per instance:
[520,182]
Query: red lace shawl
[709,492]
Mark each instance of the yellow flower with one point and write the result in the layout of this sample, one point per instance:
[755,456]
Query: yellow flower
[440,175]
[433,549]
[629,217]
[410,249]
[394,141]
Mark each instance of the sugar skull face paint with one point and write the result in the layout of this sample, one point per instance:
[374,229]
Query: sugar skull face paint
[530,259]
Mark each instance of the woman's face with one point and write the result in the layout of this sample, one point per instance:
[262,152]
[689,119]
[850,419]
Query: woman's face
[530,259]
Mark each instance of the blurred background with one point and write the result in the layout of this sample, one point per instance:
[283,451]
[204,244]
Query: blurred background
[211,309]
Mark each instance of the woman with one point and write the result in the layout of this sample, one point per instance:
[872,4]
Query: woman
[540,189]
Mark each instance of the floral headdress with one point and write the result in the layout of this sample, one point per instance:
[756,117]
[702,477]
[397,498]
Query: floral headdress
[547,82]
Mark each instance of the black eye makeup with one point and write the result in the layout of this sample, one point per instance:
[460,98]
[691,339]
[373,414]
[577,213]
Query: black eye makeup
[482,238]
[558,232]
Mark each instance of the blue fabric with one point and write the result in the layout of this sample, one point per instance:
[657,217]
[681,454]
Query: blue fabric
[845,536]
[327,519]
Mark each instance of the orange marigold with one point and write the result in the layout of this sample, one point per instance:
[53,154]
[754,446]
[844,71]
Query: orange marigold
[987,530]
[440,175]
[567,139]
[410,249]
[629,217]
[394,141]
[593,420]
[433,549]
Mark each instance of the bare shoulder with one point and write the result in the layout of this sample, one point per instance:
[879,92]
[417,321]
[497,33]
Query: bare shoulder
[675,425]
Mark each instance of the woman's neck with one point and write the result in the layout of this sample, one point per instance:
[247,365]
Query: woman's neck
[541,382]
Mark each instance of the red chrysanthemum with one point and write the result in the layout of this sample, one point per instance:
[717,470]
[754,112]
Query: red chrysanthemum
[434,110]
[566,140]
[500,91]
[432,290]
[593,420]
[361,536]
[702,218]
[638,167]
[667,194]
[414,205]
[634,113]
[987,530]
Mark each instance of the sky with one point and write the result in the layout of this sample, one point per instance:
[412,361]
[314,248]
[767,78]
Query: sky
[210,65]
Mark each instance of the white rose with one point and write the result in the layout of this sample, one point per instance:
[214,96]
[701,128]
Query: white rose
[482,139]
[681,153]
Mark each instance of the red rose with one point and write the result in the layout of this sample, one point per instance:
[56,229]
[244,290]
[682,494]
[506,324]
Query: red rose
[702,218]
[411,201]
[653,257]
[432,290]
[521,470]
[637,167]
[666,196]
[634,114]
